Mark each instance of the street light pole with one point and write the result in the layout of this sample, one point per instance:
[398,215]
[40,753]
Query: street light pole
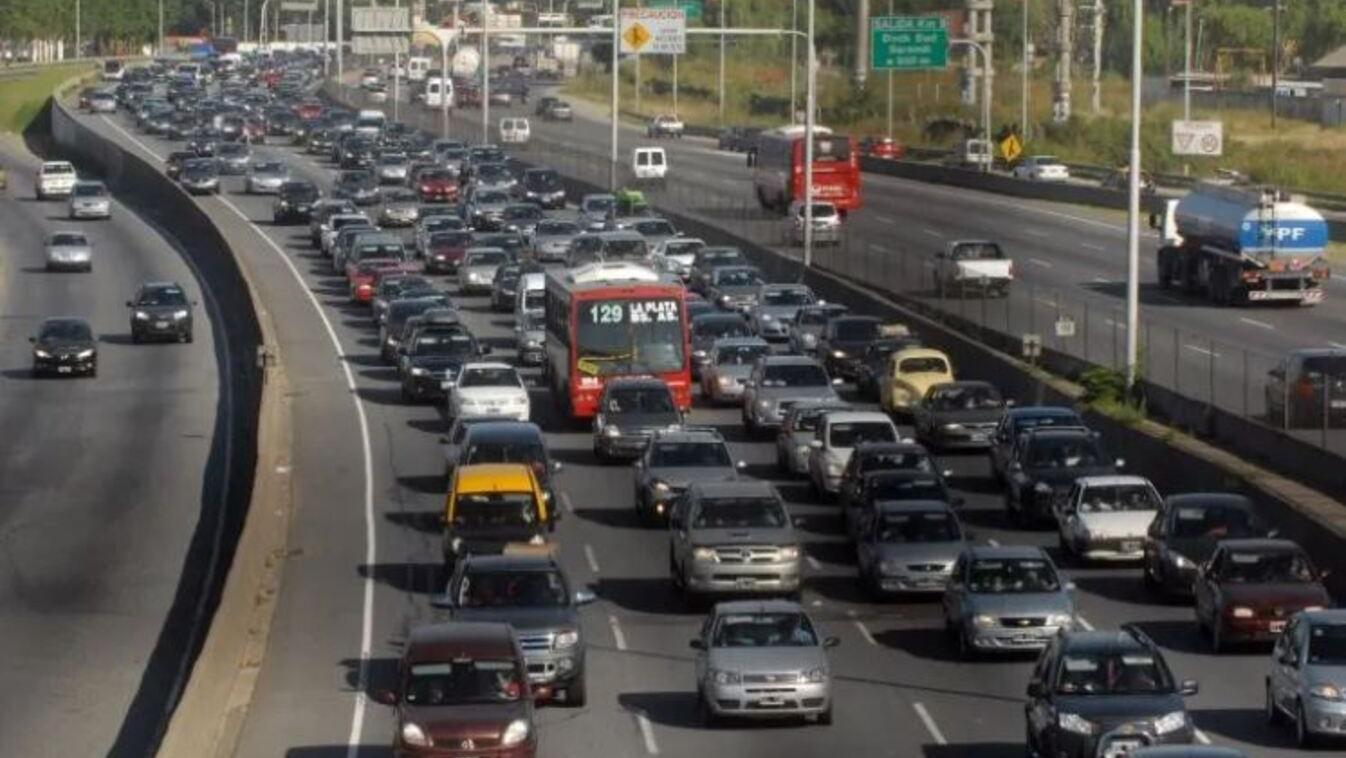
[986,93]
[890,85]
[794,56]
[1023,97]
[1275,58]
[244,36]
[485,74]
[616,61]
[1187,64]
[340,36]
[809,102]
[78,3]
[1133,200]
[161,27]
[444,82]
[721,84]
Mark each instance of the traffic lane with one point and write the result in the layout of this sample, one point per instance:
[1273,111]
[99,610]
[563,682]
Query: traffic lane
[302,694]
[98,478]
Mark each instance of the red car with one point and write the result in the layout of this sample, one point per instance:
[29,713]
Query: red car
[445,251]
[1249,589]
[308,110]
[882,147]
[364,280]
[437,186]
[253,131]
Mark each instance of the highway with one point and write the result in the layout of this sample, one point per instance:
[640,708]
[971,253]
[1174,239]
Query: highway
[365,552]
[102,484]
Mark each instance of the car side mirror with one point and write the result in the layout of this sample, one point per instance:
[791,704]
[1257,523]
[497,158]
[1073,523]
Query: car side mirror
[1034,689]
[1010,403]
[947,473]
[1189,687]
[584,597]
[697,644]
[1070,586]
[385,697]
[444,601]
[831,642]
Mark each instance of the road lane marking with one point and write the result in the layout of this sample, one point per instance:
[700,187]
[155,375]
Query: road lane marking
[886,220]
[1092,246]
[591,558]
[1101,280]
[617,636]
[565,503]
[1202,350]
[864,631]
[1035,232]
[877,248]
[1337,345]
[931,232]
[813,563]
[1045,301]
[1083,623]
[371,553]
[1201,736]
[930,725]
[1040,262]
[647,733]
[1255,322]
[993,542]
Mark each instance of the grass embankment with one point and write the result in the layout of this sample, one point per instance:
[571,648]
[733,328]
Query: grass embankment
[1298,154]
[22,94]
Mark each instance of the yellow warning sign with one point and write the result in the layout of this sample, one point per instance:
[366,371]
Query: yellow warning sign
[1011,148]
[636,36]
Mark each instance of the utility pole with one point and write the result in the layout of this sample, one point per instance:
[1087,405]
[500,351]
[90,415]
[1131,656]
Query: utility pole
[890,80]
[326,38]
[638,56]
[78,3]
[861,42]
[340,36]
[794,57]
[1100,18]
[810,100]
[721,84]
[1187,63]
[161,27]
[246,25]
[1065,52]
[1027,64]
[486,72]
[1133,201]
[1275,58]
[616,61]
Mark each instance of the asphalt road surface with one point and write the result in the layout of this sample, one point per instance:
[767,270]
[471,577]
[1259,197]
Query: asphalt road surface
[102,481]
[365,554]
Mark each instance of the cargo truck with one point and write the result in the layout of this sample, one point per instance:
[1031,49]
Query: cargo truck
[1242,245]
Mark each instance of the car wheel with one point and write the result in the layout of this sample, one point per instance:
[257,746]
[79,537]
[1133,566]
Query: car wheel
[135,337]
[1304,738]
[1217,643]
[1273,714]
[824,718]
[965,649]
[576,693]
[1067,554]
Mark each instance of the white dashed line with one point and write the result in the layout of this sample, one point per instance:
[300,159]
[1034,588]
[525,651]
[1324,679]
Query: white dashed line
[864,631]
[1256,323]
[1045,301]
[591,558]
[1092,246]
[1201,736]
[565,503]
[1101,280]
[814,563]
[993,542]
[931,232]
[877,248]
[1202,350]
[1083,623]
[888,221]
[647,733]
[1040,262]
[930,725]
[618,637]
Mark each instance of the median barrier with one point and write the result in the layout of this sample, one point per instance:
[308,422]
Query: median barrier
[195,699]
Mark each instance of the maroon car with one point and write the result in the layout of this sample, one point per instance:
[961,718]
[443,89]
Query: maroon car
[1249,589]
[462,690]
[437,186]
[445,251]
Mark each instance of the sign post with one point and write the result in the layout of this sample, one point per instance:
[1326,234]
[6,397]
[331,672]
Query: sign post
[908,43]
[1198,138]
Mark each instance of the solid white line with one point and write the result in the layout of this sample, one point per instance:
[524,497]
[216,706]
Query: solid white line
[1045,301]
[930,725]
[617,636]
[367,620]
[1255,322]
[993,543]
[864,630]
[931,232]
[1040,262]
[1201,736]
[591,558]
[1101,280]
[877,248]
[813,562]
[1083,623]
[647,732]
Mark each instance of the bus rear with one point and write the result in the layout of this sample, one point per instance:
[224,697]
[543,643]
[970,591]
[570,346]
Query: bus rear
[836,171]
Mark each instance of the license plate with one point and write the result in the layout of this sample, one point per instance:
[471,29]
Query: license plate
[1024,638]
[978,437]
[1131,546]
[492,411]
[445,385]
[63,369]
[745,583]
[771,702]
[1276,627]
[160,324]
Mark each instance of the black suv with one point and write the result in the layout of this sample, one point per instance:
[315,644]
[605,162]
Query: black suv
[1044,464]
[160,311]
[1104,693]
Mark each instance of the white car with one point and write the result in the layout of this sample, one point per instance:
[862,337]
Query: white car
[89,200]
[675,255]
[649,164]
[55,179]
[1041,168]
[489,389]
[839,432]
[1107,517]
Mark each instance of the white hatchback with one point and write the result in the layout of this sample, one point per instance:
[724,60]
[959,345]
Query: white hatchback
[1107,517]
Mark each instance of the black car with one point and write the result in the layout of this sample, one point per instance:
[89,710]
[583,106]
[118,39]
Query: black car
[505,287]
[511,242]
[1100,693]
[872,457]
[630,410]
[1186,531]
[360,187]
[1044,465]
[64,346]
[843,341]
[294,202]
[959,415]
[399,312]
[432,357]
[160,311]
[873,363]
[1018,420]
[894,485]
[542,186]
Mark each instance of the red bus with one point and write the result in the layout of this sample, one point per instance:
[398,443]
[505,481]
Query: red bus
[610,320]
[777,161]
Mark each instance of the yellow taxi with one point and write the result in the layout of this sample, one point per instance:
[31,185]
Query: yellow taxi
[909,374]
[492,505]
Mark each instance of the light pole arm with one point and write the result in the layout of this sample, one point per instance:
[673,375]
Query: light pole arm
[986,94]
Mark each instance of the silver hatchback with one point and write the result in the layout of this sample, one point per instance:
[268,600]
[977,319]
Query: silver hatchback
[69,251]
[1307,683]
[1006,599]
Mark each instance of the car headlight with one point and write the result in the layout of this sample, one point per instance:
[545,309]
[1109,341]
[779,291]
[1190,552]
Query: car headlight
[142,316]
[660,486]
[952,427]
[1180,561]
[515,733]
[417,371]
[179,314]
[612,431]
[1073,722]
[983,620]
[1327,692]
[1060,619]
[789,552]
[838,354]
[768,317]
[532,344]
[724,381]
[1170,722]
[1042,488]
[40,353]
[764,405]
[700,355]
[803,450]
[814,676]
[413,734]
[84,354]
[1241,612]
[724,300]
[703,553]
[725,677]
[566,639]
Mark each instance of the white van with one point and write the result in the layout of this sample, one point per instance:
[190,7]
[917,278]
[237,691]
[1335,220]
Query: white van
[514,131]
[370,123]
[416,68]
[649,164]
[434,93]
[113,70]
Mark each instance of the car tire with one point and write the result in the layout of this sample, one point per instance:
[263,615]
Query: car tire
[1068,556]
[136,339]
[1217,642]
[965,650]
[576,693]
[1273,714]
[707,716]
[824,718]
[1304,739]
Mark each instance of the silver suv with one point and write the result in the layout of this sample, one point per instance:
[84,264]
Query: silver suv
[733,537]
[778,381]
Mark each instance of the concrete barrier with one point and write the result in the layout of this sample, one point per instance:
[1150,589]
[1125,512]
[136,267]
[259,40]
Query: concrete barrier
[200,714]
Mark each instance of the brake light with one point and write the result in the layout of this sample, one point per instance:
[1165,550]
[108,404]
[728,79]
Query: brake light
[1304,388]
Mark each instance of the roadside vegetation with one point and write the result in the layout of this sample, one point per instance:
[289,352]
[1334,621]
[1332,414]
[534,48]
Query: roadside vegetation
[23,93]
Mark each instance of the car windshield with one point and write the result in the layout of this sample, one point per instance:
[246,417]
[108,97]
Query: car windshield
[463,682]
[794,375]
[740,513]
[1112,673]
[624,250]
[1332,365]
[490,258]
[1265,567]
[976,251]
[764,630]
[495,509]
[711,257]
[808,420]
[1117,498]
[655,228]
[1012,575]
[721,326]
[542,180]
[530,452]
[512,589]
[973,397]
[522,213]
[161,296]
[895,461]
[1066,452]
[851,433]
[268,168]
[906,488]
[90,190]
[739,355]
[737,277]
[599,205]
[1327,644]
[450,344]
[927,365]
[66,330]
[820,210]
[557,228]
[639,401]
[689,454]
[787,297]
[1215,522]
[436,175]
[1023,422]
[908,528]
[489,377]
[68,239]
[401,310]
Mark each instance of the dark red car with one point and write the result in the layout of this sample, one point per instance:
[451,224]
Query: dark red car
[1249,589]
[462,690]
[364,281]
[437,186]
[882,147]
[445,251]
[308,110]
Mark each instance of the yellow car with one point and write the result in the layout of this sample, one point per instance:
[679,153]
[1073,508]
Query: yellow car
[909,374]
[492,505]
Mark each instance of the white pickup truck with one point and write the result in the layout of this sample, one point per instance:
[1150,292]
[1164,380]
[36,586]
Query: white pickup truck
[973,267]
[55,179]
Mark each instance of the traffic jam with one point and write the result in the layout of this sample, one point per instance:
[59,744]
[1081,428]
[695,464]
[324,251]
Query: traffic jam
[674,355]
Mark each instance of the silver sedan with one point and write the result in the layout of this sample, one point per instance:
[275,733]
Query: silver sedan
[69,251]
[265,178]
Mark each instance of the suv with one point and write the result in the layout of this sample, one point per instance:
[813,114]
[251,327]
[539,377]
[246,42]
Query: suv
[630,410]
[733,537]
[54,179]
[778,381]
[1044,465]
[839,433]
[160,310]
[672,461]
[1105,693]
[460,683]
[529,591]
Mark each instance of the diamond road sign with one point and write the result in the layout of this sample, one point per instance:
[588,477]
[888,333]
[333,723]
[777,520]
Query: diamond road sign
[908,43]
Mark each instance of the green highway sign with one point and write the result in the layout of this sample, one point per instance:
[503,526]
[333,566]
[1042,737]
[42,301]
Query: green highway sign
[695,9]
[908,43]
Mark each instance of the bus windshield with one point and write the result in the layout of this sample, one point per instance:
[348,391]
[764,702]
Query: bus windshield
[629,336]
